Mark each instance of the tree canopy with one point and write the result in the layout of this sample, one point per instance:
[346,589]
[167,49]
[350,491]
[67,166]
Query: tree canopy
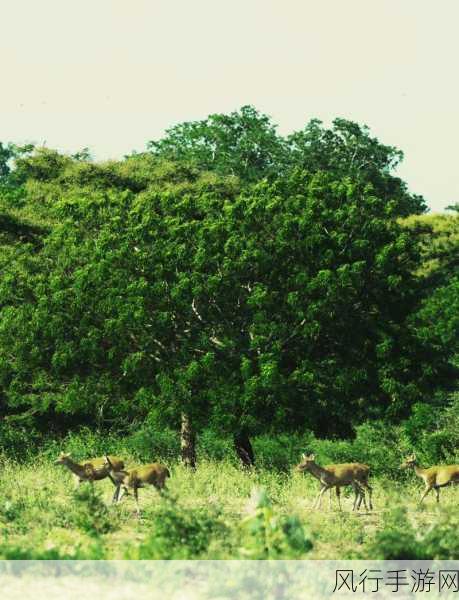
[250,281]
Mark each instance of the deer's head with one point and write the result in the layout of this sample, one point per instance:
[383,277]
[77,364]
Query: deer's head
[62,458]
[410,462]
[306,462]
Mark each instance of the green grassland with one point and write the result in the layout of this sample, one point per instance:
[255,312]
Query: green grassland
[217,511]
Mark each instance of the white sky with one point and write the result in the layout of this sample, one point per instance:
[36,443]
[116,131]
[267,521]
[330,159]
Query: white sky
[112,74]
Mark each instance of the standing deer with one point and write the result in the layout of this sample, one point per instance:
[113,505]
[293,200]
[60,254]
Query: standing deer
[91,470]
[154,474]
[434,477]
[354,474]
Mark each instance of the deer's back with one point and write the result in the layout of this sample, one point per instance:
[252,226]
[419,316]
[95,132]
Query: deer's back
[99,468]
[99,462]
[349,471]
[443,474]
[154,473]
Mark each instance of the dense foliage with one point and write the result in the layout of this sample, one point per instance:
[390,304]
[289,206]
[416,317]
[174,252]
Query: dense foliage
[253,282]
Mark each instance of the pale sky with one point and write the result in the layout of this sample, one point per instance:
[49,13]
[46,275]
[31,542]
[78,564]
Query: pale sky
[112,74]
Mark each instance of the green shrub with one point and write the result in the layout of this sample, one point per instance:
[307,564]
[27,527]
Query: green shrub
[432,432]
[18,441]
[84,443]
[12,511]
[30,551]
[381,446]
[397,540]
[212,446]
[440,541]
[266,535]
[89,513]
[400,540]
[178,532]
[281,451]
[149,444]
[333,451]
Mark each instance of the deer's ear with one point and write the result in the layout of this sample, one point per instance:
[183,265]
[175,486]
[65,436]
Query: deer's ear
[303,456]
[414,456]
[312,457]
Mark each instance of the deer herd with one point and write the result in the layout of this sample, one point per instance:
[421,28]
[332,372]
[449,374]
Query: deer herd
[112,467]
[330,476]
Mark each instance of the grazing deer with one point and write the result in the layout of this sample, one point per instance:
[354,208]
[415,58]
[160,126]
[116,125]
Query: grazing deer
[90,470]
[434,477]
[154,474]
[354,474]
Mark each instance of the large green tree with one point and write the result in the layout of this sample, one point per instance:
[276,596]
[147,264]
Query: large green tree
[229,277]
[246,143]
[168,291]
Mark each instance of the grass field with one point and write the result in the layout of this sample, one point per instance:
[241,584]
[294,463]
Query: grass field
[216,513]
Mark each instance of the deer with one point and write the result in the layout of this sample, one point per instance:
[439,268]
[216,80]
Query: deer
[354,474]
[91,470]
[153,474]
[434,477]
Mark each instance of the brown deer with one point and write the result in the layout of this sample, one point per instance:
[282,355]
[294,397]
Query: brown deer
[154,474]
[90,470]
[434,477]
[354,474]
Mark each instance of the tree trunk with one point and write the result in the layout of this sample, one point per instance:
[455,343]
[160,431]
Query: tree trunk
[244,449]
[188,442]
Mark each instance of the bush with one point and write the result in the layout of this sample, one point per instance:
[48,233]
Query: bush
[400,540]
[397,540]
[268,536]
[441,541]
[432,432]
[381,446]
[84,443]
[149,444]
[282,451]
[89,513]
[18,441]
[179,533]
[10,551]
[213,447]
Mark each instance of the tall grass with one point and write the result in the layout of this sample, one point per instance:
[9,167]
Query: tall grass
[217,511]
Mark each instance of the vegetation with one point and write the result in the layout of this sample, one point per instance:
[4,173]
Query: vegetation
[265,294]
[220,511]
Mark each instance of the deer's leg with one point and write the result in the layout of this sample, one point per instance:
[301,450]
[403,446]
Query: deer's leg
[364,498]
[427,490]
[136,496]
[121,493]
[112,479]
[330,498]
[116,493]
[437,493]
[357,497]
[318,501]
[370,493]
[338,495]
